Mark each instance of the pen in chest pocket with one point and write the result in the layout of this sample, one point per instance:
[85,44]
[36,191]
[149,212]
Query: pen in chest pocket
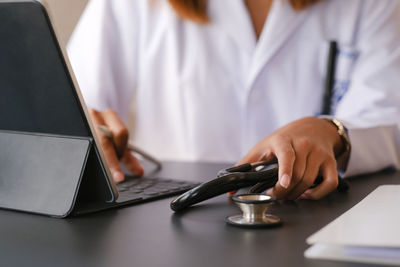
[330,78]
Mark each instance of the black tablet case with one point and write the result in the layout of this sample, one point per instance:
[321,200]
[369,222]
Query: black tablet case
[48,161]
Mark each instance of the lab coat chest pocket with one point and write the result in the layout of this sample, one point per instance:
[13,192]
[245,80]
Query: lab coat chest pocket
[346,57]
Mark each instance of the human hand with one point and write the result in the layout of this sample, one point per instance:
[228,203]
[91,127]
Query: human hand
[304,149]
[115,149]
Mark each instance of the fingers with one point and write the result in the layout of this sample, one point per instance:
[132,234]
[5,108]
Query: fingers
[302,150]
[311,171]
[108,148]
[132,164]
[329,183]
[116,149]
[258,153]
[286,156]
[118,129]
[302,163]
[231,193]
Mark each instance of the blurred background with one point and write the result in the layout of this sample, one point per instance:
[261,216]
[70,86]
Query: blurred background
[65,15]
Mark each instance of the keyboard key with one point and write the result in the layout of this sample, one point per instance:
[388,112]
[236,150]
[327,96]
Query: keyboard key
[150,188]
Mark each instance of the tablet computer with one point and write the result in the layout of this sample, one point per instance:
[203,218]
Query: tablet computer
[40,103]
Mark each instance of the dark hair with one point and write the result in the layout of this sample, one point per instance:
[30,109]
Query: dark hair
[196,10]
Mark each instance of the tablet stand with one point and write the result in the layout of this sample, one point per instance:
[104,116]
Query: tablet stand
[50,174]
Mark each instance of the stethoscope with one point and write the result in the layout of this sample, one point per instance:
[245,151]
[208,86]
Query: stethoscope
[259,177]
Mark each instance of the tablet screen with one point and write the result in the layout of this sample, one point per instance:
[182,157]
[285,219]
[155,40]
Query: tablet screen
[36,91]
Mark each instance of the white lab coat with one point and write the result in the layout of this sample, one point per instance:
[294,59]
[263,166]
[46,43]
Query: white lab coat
[194,92]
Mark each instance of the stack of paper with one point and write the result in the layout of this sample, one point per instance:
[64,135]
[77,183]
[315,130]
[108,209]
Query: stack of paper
[369,232]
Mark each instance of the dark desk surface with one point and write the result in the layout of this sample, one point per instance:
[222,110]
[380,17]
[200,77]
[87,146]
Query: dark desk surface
[151,234]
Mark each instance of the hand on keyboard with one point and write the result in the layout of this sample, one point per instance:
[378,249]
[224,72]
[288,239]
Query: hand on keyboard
[115,146]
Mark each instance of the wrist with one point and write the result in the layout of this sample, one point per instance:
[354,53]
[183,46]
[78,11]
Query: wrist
[342,144]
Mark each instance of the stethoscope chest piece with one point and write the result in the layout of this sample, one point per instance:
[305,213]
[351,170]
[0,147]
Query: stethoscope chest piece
[254,208]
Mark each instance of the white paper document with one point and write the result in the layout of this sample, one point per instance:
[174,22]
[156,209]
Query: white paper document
[369,232]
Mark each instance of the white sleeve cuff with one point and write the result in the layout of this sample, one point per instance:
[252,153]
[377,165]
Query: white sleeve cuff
[373,149]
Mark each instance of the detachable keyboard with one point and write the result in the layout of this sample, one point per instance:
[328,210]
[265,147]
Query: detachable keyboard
[145,189]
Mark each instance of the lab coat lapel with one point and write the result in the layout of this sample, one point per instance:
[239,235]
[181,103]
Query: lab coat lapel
[281,23]
[235,22]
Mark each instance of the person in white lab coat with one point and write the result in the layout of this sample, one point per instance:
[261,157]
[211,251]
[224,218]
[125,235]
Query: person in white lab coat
[221,80]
